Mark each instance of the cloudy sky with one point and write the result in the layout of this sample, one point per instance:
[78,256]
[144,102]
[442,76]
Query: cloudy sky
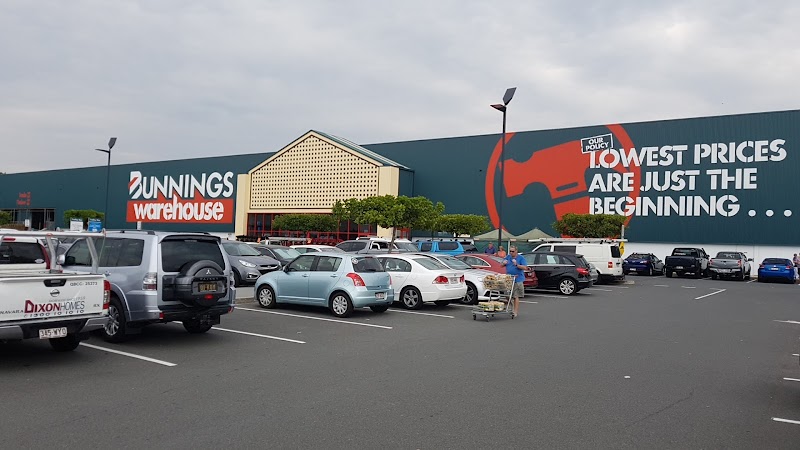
[188,78]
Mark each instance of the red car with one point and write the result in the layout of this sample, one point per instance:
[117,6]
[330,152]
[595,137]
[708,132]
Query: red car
[495,264]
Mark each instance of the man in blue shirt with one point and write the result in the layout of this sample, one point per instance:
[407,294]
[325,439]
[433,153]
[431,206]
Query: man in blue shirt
[490,250]
[516,266]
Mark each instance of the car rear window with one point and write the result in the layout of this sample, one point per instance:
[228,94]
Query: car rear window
[564,248]
[727,255]
[367,264]
[447,246]
[777,261]
[638,256]
[425,246]
[615,253]
[175,253]
[21,253]
[430,264]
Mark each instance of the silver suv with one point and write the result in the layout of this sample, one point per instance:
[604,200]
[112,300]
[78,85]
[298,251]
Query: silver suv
[159,277]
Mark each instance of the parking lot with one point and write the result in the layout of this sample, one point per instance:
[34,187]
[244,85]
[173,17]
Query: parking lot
[649,363]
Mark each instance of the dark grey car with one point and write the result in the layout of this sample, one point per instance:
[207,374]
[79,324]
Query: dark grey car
[247,263]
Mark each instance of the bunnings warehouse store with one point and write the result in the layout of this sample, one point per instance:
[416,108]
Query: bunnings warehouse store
[722,183]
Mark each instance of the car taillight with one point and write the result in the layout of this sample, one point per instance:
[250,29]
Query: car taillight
[461,279]
[357,280]
[711,260]
[789,267]
[106,294]
[583,271]
[611,264]
[739,263]
[150,281]
[761,266]
[441,279]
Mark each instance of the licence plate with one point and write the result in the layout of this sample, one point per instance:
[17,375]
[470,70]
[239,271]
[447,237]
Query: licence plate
[207,287]
[774,268]
[49,333]
[454,280]
[679,267]
[724,270]
[380,295]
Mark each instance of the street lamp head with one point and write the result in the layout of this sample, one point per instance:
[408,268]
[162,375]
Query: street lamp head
[113,140]
[509,95]
[499,107]
[103,150]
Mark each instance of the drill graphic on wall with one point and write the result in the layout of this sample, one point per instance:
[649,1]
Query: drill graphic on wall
[561,169]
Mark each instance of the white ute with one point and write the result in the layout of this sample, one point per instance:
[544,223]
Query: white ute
[49,303]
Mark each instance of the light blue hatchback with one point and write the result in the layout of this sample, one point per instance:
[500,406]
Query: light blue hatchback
[340,282]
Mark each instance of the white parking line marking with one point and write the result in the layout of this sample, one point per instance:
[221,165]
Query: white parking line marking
[778,419]
[315,318]
[598,289]
[661,285]
[752,281]
[689,287]
[528,301]
[713,293]
[422,313]
[787,321]
[258,335]
[795,354]
[618,287]
[130,355]
[790,379]
[548,296]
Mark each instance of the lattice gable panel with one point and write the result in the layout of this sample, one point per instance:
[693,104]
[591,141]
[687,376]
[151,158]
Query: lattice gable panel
[312,174]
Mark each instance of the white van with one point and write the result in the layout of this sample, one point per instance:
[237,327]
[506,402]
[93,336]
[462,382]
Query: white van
[604,254]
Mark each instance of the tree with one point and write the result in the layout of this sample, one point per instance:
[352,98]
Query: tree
[458,224]
[590,225]
[5,217]
[83,214]
[388,211]
[305,222]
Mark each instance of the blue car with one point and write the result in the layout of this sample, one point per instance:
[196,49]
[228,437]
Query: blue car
[643,263]
[340,282]
[780,269]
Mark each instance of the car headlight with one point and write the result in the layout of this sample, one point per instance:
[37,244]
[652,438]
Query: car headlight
[247,263]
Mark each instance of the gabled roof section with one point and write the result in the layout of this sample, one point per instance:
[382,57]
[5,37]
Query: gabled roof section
[363,151]
[344,144]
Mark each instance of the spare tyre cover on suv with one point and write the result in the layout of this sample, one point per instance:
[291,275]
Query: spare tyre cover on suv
[199,262]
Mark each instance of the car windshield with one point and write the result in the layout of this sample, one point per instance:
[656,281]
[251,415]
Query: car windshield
[286,252]
[430,264]
[454,263]
[406,246]
[240,249]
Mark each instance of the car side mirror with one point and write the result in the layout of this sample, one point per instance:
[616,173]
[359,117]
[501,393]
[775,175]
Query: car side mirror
[60,260]
[750,259]
[69,260]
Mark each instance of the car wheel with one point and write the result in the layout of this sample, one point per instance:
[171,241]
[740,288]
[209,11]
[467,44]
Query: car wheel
[650,271]
[698,274]
[266,297]
[472,295]
[713,275]
[194,326]
[760,279]
[411,298]
[442,302]
[668,273]
[237,279]
[115,329]
[567,286]
[65,344]
[741,276]
[379,308]
[341,305]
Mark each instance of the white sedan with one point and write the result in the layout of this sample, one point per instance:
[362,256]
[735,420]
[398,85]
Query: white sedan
[476,291]
[423,278]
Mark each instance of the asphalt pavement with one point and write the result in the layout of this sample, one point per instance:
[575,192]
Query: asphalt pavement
[658,363]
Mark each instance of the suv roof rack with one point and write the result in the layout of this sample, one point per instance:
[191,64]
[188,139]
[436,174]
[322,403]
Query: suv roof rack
[151,232]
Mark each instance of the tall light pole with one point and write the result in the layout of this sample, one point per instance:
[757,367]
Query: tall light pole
[111,143]
[502,107]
